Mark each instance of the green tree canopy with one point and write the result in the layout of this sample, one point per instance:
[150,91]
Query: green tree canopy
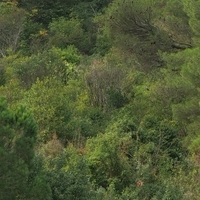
[18,136]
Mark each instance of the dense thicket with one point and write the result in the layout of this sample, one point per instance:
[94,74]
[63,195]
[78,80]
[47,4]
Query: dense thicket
[100,99]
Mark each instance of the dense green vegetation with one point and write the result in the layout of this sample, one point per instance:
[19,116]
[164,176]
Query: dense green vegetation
[99,100]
